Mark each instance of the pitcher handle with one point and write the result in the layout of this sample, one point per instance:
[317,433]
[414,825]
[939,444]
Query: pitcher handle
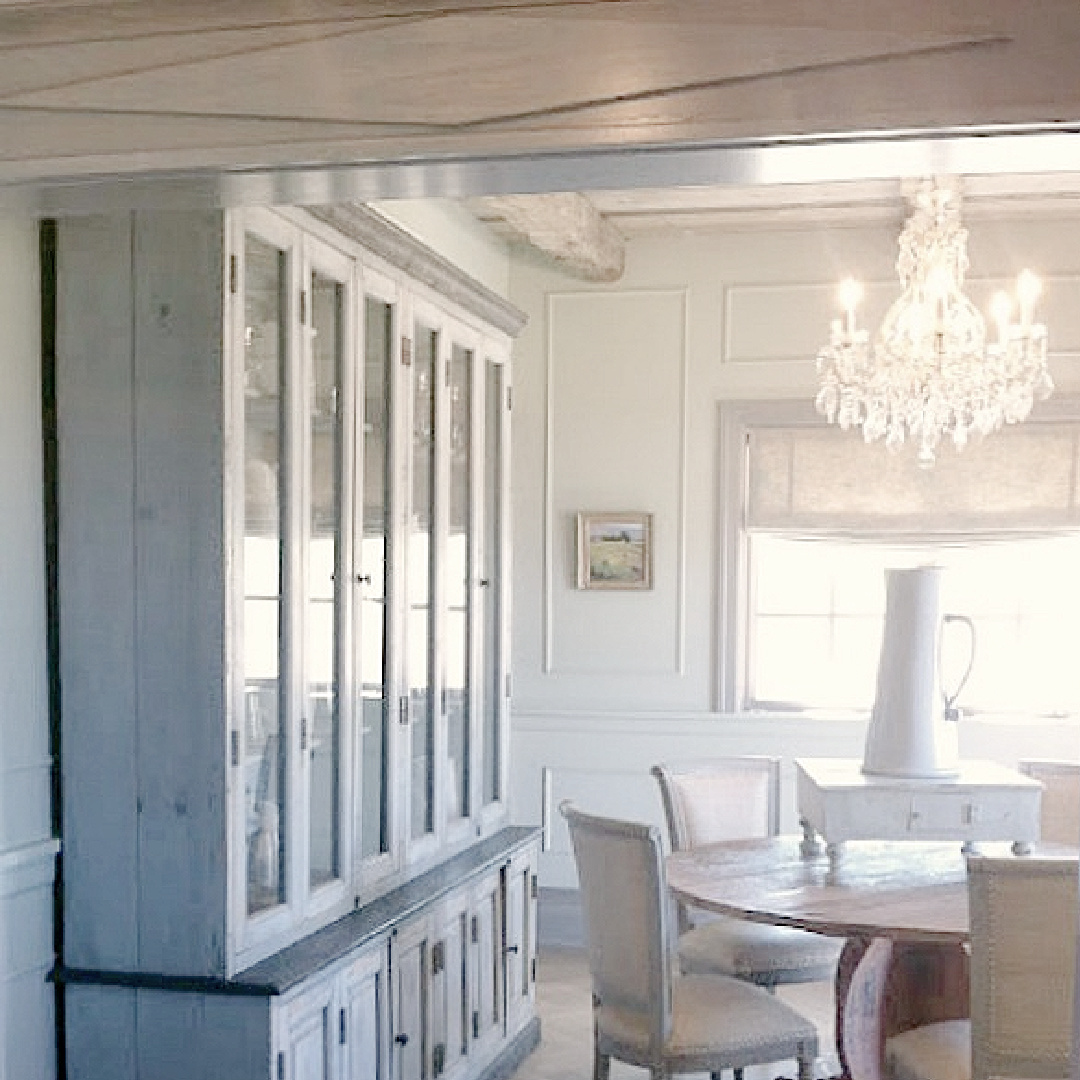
[950,699]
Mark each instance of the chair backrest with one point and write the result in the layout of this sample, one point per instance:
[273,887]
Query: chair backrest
[734,798]
[620,867]
[1023,965]
[1060,799]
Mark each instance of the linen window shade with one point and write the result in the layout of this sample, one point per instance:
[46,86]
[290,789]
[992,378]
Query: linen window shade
[819,481]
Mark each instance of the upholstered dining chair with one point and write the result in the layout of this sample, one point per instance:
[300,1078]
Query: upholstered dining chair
[644,1012]
[1023,973]
[1060,815]
[736,798]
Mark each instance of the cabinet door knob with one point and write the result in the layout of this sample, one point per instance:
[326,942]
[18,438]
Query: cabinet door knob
[511,948]
[401,1038]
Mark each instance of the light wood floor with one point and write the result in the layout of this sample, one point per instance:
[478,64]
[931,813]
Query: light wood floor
[565,1051]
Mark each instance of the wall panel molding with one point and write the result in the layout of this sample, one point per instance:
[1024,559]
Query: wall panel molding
[554,522]
[752,333]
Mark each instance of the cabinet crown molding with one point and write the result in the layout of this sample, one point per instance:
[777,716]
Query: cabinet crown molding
[403,251]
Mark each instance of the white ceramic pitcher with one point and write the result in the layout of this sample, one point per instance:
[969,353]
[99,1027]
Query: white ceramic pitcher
[913,726]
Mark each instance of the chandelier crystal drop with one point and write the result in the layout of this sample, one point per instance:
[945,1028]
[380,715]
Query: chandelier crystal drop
[931,371]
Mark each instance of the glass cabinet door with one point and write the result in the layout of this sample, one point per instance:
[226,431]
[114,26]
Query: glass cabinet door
[264,762]
[457,574]
[491,573]
[320,730]
[374,579]
[421,549]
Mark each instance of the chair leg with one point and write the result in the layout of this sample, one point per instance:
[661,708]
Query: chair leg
[601,1062]
[806,1066]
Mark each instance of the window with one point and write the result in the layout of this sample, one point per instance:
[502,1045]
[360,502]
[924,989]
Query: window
[810,528]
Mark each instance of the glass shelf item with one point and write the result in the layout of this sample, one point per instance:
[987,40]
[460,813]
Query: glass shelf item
[263,556]
[421,556]
[375,580]
[321,723]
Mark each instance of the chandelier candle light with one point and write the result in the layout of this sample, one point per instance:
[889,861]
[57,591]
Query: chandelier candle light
[931,371]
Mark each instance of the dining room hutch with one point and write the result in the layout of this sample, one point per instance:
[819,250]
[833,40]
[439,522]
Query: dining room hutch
[283,549]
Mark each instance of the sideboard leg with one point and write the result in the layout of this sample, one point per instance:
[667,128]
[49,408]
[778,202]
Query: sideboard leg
[809,845]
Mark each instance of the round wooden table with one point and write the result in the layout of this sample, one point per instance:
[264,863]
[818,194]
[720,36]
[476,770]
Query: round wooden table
[902,908]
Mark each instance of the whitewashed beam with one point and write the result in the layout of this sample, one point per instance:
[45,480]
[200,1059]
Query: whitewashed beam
[565,226]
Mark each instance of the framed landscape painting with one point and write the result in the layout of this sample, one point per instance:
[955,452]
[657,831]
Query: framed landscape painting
[614,550]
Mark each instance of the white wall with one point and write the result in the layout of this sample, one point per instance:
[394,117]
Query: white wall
[616,392]
[448,228]
[27,1036]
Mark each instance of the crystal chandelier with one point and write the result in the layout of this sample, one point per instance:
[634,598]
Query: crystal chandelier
[931,371]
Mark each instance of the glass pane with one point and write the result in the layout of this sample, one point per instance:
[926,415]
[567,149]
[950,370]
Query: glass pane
[458,593]
[323,619]
[490,571]
[263,556]
[375,572]
[421,555]
[1022,594]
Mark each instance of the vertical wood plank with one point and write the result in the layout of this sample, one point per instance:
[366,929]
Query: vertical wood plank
[101,1039]
[97,603]
[180,592]
[203,1036]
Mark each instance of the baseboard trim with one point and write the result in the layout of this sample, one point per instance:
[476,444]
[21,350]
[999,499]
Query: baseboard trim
[519,1048]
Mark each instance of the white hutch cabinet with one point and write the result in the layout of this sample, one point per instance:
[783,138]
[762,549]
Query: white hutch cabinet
[283,489]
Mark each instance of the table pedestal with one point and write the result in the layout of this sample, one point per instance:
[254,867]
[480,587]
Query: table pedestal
[884,987]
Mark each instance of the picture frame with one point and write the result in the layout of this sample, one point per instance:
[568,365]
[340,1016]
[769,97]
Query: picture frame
[614,549]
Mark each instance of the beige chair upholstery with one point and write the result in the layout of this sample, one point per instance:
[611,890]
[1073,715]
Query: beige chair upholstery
[1023,974]
[736,799]
[1060,799]
[644,1012]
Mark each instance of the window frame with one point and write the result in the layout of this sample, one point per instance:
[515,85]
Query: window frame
[736,419]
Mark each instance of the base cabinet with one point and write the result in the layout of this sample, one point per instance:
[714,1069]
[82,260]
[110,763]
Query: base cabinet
[435,981]
[439,996]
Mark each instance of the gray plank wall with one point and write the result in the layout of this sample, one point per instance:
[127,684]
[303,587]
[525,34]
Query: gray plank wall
[27,850]
[141,591]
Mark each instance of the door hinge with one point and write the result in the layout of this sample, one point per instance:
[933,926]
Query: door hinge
[438,957]
[508,684]
[234,740]
[446,374]
[474,930]
[342,1027]
[303,733]
[443,698]
[234,273]
[476,1024]
[509,398]
[532,969]
[406,351]
[438,1059]
[403,709]
[534,888]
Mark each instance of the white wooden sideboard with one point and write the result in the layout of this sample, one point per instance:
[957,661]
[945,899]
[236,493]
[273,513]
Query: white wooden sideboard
[984,802]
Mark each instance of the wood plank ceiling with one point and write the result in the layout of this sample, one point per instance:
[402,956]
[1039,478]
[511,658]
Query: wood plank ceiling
[148,85]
